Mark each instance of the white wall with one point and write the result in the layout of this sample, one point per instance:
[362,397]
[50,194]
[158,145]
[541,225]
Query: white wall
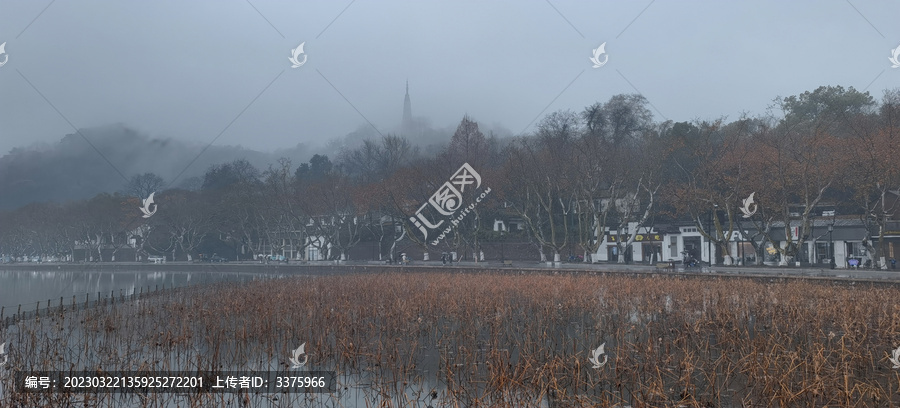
[840,254]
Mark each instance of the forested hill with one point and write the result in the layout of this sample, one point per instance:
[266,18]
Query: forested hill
[74,168]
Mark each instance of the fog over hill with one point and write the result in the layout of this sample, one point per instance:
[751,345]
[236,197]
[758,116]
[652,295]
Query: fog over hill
[101,159]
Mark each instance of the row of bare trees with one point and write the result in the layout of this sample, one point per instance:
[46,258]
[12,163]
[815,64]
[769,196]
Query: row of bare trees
[830,148]
[576,178]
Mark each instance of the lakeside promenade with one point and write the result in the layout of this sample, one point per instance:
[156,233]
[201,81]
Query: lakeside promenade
[326,267]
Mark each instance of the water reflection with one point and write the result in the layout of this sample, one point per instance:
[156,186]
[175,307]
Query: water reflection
[18,287]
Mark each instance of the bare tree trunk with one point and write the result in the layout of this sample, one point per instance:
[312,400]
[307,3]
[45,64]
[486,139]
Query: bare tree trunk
[394,244]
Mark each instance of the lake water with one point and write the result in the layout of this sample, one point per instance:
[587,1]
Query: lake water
[27,287]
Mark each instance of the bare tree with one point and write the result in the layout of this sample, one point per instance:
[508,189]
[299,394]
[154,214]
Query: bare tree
[186,221]
[538,180]
[603,164]
[337,220]
[874,172]
[142,185]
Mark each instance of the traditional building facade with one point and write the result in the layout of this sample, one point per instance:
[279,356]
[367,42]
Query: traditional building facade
[845,240]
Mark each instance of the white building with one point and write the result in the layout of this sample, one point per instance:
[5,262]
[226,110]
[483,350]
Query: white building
[841,239]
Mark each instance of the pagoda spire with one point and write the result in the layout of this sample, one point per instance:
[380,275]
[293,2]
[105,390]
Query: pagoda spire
[407,111]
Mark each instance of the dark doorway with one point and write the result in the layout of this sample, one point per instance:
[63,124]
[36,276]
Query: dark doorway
[652,252]
[612,254]
[692,247]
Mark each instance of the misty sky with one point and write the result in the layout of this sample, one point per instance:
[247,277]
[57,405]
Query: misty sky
[187,70]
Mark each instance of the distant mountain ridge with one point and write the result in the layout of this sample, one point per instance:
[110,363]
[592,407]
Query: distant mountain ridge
[72,168]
